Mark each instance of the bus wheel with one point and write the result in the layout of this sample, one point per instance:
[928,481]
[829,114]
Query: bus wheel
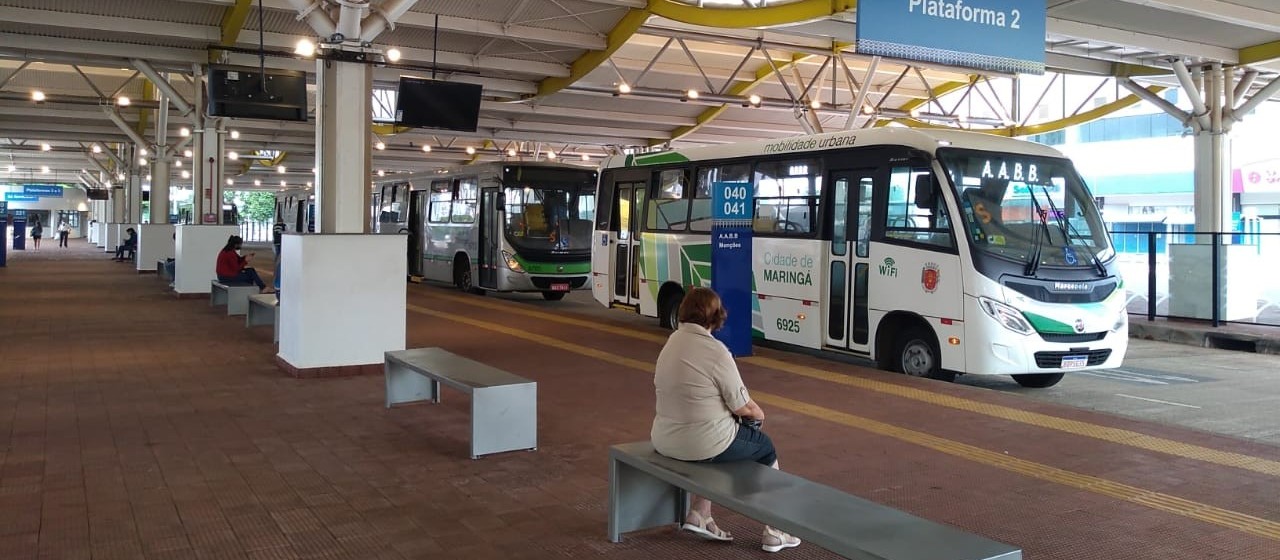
[462,276]
[553,296]
[918,356]
[1038,380]
[669,309]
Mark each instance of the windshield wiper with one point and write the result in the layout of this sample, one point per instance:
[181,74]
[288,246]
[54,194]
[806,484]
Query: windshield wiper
[1069,233]
[1037,241]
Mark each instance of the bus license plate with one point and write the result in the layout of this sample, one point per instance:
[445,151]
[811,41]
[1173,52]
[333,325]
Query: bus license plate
[1069,362]
[564,287]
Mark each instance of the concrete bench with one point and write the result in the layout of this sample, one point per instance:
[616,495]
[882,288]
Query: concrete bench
[264,309]
[504,407]
[649,490]
[236,298]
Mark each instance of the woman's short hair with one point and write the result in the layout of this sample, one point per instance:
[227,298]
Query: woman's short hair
[701,306]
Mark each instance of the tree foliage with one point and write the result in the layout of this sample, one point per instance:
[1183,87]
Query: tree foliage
[256,206]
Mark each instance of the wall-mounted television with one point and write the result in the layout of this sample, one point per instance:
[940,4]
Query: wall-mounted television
[239,92]
[425,103]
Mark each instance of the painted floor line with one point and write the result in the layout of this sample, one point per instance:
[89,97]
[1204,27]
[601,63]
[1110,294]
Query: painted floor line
[1156,401]
[1117,436]
[1155,500]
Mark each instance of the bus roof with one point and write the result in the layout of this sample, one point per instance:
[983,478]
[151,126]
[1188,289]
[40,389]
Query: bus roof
[475,169]
[928,140]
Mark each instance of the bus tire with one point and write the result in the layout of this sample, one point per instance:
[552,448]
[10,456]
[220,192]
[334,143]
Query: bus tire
[553,296]
[1038,380]
[462,275]
[669,308]
[918,355]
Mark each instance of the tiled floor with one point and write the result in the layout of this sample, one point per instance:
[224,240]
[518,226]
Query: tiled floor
[137,425]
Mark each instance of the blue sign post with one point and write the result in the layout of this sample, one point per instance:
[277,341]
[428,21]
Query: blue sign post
[995,35]
[732,205]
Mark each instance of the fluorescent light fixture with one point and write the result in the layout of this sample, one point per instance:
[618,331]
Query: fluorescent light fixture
[186,174]
[235,135]
[382,173]
[44,169]
[586,157]
[308,184]
[142,161]
[184,132]
[257,182]
[691,94]
[471,150]
[281,169]
[815,104]
[233,156]
[12,168]
[142,152]
[393,55]
[120,176]
[45,147]
[305,47]
[380,145]
[551,154]
[624,88]
[230,181]
[754,99]
[426,148]
[123,101]
[96,149]
[177,163]
[37,96]
[284,183]
[186,153]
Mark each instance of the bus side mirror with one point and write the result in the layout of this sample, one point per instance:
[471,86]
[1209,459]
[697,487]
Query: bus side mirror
[925,191]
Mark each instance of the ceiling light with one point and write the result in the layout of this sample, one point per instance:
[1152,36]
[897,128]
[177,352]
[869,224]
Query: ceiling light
[691,94]
[186,174]
[177,163]
[12,168]
[184,132]
[382,173]
[280,169]
[186,153]
[123,101]
[754,99]
[284,183]
[142,161]
[393,55]
[308,184]
[586,157]
[235,135]
[148,177]
[305,47]
[551,154]
[914,112]
[815,104]
[120,176]
[471,150]
[511,152]
[257,182]
[45,147]
[380,145]
[44,169]
[230,181]
[867,109]
[97,149]
[233,156]
[624,88]
[426,148]
[142,152]
[37,96]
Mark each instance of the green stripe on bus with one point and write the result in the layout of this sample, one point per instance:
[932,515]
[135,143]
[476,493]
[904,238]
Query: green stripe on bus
[1046,325]
[658,159]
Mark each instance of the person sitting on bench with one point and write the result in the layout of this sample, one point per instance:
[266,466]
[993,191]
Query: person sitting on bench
[130,245]
[704,413]
[233,269]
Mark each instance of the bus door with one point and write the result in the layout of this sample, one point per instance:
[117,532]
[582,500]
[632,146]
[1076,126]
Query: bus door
[417,220]
[620,237]
[490,237]
[849,263]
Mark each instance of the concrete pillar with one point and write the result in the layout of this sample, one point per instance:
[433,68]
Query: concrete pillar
[1212,185]
[207,175]
[343,153]
[160,170]
[136,175]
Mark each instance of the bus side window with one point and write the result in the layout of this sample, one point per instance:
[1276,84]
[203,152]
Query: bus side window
[464,206]
[604,206]
[669,207]
[917,212]
[700,207]
[441,202]
[786,197]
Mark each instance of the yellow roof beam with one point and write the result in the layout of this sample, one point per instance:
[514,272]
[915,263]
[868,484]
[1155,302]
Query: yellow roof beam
[618,36]
[1257,54]
[233,21]
[739,18]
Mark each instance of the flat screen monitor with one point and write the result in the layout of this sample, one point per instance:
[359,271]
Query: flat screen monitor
[436,104]
[239,92]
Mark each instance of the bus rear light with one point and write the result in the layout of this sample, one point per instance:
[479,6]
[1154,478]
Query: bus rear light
[947,321]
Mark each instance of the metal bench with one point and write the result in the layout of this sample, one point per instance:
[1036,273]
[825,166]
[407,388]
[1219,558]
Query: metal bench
[504,407]
[649,490]
[236,298]
[264,309]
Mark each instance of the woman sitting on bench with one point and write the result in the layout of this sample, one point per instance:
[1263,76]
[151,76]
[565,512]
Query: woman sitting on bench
[234,270]
[704,413]
[130,245]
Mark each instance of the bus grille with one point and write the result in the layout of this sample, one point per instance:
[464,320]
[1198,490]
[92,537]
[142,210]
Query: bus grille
[1068,338]
[1054,359]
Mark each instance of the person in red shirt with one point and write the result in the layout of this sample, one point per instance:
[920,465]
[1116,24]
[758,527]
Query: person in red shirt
[233,269]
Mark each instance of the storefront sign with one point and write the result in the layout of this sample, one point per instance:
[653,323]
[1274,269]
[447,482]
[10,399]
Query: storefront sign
[996,35]
[731,261]
[1260,177]
[42,190]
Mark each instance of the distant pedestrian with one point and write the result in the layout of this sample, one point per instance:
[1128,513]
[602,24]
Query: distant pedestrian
[37,230]
[64,232]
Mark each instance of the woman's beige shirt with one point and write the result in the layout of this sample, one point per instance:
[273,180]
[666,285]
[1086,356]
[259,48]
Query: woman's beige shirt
[698,388]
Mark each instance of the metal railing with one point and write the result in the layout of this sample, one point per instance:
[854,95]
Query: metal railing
[256,231]
[1217,277]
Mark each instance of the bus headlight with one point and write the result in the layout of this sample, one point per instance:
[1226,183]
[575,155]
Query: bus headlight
[1007,316]
[512,263]
[1121,321]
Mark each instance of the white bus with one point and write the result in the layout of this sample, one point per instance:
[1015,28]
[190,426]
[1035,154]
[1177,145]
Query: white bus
[506,227]
[934,253]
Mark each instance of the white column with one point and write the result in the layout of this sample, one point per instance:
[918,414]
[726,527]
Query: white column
[1212,195]
[208,174]
[135,194]
[343,97]
[160,170]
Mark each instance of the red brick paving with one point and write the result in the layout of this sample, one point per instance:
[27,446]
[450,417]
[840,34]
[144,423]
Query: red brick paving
[135,425]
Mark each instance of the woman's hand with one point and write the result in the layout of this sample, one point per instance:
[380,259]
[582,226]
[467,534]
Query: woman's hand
[751,410]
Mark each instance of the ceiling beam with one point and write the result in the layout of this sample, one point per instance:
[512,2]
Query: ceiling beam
[1145,41]
[1218,10]
[1260,54]
[233,21]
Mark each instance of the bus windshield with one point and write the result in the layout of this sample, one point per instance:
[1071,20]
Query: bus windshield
[542,218]
[1021,207]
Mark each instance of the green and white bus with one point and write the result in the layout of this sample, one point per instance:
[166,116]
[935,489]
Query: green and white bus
[505,227]
[934,253]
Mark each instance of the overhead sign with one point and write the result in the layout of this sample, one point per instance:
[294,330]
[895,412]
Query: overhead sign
[42,190]
[732,207]
[1259,177]
[20,197]
[995,35]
